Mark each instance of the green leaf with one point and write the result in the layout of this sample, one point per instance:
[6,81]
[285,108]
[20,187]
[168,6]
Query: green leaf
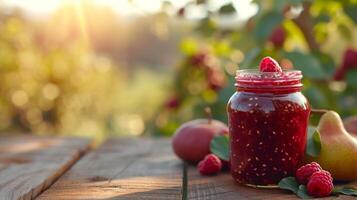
[302,192]
[329,65]
[198,2]
[323,17]
[220,146]
[250,57]
[336,190]
[279,5]
[349,191]
[266,24]
[289,183]
[308,64]
[346,190]
[351,78]
[227,9]
[206,27]
[316,96]
[344,31]
[313,146]
[350,10]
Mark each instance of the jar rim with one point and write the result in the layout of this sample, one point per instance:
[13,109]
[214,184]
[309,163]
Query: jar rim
[255,79]
[272,74]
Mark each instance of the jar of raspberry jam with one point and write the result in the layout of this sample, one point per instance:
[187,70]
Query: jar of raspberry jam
[268,119]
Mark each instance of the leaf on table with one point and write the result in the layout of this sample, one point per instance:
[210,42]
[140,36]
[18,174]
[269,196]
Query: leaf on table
[313,145]
[346,190]
[302,192]
[220,146]
[289,183]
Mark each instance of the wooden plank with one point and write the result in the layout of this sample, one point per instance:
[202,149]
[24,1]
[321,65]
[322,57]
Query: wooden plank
[122,169]
[30,164]
[222,186]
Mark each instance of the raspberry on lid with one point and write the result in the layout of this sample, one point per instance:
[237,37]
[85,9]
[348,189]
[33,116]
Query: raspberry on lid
[268,64]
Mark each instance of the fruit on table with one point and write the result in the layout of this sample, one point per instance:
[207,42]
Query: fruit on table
[350,124]
[320,184]
[338,153]
[210,165]
[304,173]
[191,141]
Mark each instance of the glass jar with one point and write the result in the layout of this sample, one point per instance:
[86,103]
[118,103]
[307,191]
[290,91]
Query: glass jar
[268,118]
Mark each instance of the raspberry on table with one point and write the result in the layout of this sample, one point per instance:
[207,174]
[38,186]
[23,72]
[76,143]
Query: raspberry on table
[320,184]
[304,173]
[268,64]
[210,165]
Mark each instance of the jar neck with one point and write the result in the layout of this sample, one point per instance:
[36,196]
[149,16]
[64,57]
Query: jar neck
[270,90]
[268,82]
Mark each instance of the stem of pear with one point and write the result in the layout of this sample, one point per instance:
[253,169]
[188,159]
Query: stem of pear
[318,111]
[208,113]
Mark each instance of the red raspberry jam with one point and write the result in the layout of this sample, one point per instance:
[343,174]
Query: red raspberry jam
[268,119]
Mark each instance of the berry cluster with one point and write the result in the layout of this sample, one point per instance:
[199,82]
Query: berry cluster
[318,181]
[349,62]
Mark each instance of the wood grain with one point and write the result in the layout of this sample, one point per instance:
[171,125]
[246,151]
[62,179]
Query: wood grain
[222,186]
[122,169]
[30,164]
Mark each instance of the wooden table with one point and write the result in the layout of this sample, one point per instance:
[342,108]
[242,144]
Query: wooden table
[47,168]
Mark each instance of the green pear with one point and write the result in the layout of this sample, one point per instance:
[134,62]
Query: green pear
[338,153]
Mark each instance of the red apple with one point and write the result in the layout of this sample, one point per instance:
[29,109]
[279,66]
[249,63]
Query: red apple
[191,141]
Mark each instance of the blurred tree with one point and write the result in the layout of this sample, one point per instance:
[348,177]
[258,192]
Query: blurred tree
[52,80]
[74,71]
[312,36]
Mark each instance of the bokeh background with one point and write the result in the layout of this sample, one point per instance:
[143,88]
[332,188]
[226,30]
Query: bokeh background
[101,68]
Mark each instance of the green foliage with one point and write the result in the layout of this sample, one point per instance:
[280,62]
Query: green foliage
[52,81]
[220,146]
[302,192]
[350,10]
[308,64]
[289,183]
[313,146]
[314,41]
[227,9]
[345,190]
[265,25]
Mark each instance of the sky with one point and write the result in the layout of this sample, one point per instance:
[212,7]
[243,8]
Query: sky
[126,7]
